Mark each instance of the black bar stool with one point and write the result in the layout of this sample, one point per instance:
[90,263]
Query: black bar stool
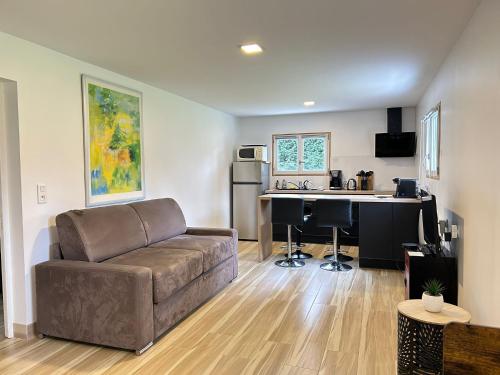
[334,213]
[297,247]
[288,211]
[298,253]
[340,256]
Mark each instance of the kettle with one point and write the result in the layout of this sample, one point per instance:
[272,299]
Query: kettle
[351,184]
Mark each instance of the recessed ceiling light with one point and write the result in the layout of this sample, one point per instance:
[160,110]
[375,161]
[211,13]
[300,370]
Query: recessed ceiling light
[251,49]
[309,103]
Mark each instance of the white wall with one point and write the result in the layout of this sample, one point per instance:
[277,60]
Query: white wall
[188,149]
[468,87]
[353,141]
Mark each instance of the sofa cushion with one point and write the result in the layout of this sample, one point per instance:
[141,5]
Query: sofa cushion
[99,233]
[172,269]
[215,249]
[162,218]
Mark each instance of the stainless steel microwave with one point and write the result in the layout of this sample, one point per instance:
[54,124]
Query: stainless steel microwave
[252,153]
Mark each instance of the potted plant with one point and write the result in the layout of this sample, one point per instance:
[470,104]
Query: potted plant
[432,298]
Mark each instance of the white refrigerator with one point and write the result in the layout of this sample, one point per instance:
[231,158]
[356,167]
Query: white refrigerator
[250,179]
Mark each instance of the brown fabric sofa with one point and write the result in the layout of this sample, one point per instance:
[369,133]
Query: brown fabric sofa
[129,273]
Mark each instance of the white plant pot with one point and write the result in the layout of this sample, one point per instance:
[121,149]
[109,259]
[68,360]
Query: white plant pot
[432,303]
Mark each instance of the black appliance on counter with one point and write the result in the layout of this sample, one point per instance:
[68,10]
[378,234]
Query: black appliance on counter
[406,188]
[335,179]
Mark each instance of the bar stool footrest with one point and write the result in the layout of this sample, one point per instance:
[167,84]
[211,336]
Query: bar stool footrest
[335,267]
[301,255]
[341,257]
[290,263]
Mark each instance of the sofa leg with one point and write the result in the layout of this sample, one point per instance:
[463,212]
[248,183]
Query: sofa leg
[140,351]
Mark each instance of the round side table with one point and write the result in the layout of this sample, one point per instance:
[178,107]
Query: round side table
[420,336]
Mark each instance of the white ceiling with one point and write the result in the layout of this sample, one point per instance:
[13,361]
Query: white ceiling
[343,54]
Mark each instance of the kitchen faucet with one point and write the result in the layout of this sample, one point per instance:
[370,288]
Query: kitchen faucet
[300,186]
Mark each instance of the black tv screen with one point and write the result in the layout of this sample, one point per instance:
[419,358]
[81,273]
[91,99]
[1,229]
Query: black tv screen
[389,145]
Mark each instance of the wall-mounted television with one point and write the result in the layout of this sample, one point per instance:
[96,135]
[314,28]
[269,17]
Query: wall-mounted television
[391,145]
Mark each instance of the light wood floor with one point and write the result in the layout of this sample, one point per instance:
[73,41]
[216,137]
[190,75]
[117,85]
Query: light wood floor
[268,321]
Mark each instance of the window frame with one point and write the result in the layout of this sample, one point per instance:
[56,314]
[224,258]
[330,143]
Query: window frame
[430,172]
[300,145]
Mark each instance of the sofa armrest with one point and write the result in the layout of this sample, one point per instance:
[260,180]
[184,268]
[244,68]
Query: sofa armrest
[99,303]
[229,232]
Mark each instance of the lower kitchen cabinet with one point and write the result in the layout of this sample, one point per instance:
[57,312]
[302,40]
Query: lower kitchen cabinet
[405,218]
[383,227]
[375,234]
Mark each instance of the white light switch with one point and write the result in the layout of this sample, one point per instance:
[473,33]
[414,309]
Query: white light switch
[41,190]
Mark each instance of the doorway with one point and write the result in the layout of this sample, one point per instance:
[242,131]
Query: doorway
[11,229]
[2,316]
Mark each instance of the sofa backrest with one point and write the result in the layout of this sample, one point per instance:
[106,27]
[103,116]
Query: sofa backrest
[100,233]
[162,219]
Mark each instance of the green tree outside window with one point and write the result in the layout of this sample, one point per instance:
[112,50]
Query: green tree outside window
[314,153]
[287,154]
[301,154]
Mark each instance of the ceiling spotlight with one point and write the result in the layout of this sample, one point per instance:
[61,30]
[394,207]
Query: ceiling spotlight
[251,49]
[309,104]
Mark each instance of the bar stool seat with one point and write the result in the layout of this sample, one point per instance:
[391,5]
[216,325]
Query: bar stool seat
[288,211]
[334,213]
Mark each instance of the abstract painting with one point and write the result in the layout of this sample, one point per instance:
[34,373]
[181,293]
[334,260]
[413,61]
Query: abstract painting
[114,165]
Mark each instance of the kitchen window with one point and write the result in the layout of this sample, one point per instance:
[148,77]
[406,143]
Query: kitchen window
[301,154]
[431,130]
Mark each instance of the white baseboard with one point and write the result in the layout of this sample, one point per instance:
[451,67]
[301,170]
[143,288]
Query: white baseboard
[24,331]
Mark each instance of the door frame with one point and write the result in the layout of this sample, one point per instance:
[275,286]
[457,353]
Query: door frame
[5,252]
[5,219]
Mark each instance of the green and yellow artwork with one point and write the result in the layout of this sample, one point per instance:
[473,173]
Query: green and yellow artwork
[113,142]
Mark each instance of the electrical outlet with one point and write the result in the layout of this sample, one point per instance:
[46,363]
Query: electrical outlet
[41,192]
[454,231]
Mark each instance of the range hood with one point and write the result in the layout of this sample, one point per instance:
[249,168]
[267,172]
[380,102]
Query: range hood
[395,143]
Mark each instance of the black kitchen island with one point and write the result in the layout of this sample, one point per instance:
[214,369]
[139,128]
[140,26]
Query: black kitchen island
[381,224]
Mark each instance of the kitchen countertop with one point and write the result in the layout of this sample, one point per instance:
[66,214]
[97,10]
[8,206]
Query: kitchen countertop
[331,192]
[353,197]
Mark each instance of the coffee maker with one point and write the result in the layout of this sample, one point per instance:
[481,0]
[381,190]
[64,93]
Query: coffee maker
[406,187]
[335,179]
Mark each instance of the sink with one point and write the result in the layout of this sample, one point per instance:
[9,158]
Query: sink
[297,190]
